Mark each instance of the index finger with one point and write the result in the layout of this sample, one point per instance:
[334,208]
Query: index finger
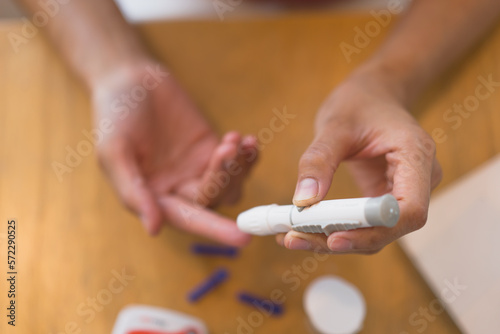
[202,221]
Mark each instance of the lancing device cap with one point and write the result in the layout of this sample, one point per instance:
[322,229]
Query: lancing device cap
[254,221]
[382,211]
[257,220]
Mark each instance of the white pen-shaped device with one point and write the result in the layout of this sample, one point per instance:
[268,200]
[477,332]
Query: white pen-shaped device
[323,217]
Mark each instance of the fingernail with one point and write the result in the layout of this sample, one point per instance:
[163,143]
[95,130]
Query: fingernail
[340,245]
[307,189]
[299,244]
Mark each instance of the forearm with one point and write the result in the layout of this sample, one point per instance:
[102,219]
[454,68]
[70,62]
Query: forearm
[430,37]
[92,37]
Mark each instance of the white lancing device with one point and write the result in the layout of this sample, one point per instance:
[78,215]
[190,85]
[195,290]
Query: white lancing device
[324,217]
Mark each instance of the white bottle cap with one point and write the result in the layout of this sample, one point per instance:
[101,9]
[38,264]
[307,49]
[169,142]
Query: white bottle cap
[334,306]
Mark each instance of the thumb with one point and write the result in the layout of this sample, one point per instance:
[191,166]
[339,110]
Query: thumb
[121,167]
[318,164]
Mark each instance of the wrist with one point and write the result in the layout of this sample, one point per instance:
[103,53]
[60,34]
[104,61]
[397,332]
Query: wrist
[122,71]
[389,80]
[125,85]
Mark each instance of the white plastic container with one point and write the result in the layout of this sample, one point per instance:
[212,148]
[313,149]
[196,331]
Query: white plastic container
[139,319]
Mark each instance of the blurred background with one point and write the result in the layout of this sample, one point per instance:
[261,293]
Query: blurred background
[148,10]
[75,236]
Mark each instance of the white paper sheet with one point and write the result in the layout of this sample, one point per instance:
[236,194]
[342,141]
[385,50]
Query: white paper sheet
[460,245]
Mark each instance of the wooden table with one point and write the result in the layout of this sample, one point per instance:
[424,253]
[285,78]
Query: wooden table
[74,237]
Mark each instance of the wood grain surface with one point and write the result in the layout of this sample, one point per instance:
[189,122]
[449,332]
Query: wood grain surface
[75,238]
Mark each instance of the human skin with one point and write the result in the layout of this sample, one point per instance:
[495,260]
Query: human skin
[366,124]
[161,157]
